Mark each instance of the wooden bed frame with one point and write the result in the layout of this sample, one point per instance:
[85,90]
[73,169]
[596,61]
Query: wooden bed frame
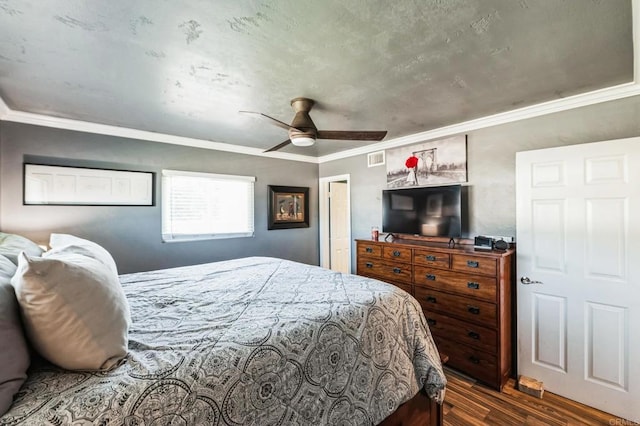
[418,411]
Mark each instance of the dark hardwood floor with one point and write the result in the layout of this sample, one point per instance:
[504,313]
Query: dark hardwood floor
[469,403]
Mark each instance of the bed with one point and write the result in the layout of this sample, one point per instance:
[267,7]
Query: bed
[253,341]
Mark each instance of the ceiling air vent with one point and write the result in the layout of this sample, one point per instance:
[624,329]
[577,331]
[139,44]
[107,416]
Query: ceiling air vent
[375,159]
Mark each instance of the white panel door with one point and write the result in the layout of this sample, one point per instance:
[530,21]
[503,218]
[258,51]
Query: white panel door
[578,234]
[339,238]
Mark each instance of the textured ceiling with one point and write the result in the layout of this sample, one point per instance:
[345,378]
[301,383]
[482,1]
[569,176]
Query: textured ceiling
[186,68]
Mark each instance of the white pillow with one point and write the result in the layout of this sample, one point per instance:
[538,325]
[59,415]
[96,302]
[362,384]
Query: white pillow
[74,311]
[72,244]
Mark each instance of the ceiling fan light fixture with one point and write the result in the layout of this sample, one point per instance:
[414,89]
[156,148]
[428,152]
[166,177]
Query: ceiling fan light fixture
[303,141]
[302,131]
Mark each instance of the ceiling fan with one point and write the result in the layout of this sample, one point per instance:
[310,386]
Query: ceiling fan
[302,131]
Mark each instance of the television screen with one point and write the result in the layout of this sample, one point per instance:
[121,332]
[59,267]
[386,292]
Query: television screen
[434,211]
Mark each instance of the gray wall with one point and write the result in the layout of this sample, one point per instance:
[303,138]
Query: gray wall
[491,163]
[132,234]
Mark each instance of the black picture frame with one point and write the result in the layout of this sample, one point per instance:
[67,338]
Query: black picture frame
[288,207]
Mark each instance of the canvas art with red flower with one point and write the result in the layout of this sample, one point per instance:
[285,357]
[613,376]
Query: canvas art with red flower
[439,162]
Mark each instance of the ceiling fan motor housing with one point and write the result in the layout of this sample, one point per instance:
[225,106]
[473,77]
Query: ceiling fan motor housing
[302,125]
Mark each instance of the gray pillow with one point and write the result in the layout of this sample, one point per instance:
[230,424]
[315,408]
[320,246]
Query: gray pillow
[11,245]
[14,353]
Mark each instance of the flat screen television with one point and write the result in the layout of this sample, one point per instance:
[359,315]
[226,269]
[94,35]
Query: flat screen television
[434,211]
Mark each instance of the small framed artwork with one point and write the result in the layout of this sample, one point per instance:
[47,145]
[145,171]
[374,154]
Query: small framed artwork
[288,207]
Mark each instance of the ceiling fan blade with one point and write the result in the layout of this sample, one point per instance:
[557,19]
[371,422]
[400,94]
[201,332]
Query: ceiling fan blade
[353,135]
[272,120]
[280,145]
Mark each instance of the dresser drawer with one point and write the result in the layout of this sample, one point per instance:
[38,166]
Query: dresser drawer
[474,264]
[373,250]
[468,285]
[476,363]
[385,270]
[463,332]
[401,254]
[431,258]
[475,311]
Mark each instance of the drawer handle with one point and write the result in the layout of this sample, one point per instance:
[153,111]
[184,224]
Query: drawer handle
[475,286]
[396,253]
[431,321]
[369,250]
[397,270]
[474,359]
[473,310]
[472,264]
[474,335]
[369,265]
[430,277]
[430,258]
[431,299]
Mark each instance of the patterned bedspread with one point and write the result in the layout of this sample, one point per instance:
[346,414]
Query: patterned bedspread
[254,341]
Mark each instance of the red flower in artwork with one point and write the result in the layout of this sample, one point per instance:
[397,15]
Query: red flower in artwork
[411,162]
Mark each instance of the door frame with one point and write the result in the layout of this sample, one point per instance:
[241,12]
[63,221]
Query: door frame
[324,219]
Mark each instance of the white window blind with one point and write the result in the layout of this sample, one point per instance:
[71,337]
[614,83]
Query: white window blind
[206,205]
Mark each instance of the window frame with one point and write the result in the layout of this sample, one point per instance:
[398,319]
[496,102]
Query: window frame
[168,237]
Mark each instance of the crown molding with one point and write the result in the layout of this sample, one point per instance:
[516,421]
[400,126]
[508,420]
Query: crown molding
[4,109]
[125,132]
[635,36]
[577,101]
[550,107]
[598,96]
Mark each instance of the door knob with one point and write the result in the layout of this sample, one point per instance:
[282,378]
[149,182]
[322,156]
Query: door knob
[527,280]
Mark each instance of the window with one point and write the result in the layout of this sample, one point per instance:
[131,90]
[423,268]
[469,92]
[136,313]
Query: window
[205,206]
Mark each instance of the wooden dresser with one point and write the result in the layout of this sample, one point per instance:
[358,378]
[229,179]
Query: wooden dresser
[466,297]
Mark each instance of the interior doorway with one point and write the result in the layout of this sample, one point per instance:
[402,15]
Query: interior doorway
[335,223]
